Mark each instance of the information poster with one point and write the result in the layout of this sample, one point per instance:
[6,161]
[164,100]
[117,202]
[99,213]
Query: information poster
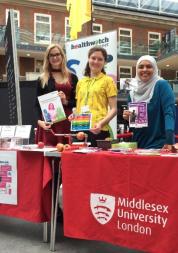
[81,122]
[8,177]
[138,117]
[51,107]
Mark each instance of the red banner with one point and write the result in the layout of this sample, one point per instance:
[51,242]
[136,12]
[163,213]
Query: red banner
[127,200]
[34,188]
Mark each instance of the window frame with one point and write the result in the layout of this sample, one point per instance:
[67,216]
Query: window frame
[125,29]
[154,33]
[99,25]
[36,66]
[176,74]
[67,36]
[125,67]
[18,16]
[45,42]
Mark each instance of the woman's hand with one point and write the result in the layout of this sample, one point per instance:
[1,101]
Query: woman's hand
[62,95]
[126,114]
[71,117]
[96,129]
[44,125]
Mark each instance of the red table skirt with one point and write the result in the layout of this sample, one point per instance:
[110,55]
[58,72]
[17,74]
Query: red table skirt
[33,188]
[127,200]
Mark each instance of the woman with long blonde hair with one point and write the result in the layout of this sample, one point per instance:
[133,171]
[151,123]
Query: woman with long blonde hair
[55,76]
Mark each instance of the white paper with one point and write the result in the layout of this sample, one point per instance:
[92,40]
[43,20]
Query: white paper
[23,131]
[127,83]
[34,147]
[8,131]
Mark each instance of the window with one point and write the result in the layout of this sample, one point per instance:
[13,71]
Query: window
[154,40]
[67,29]
[42,28]
[38,66]
[125,41]
[176,75]
[16,17]
[97,28]
[125,72]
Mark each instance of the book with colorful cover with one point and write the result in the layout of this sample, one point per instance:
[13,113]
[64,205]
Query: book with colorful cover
[51,107]
[138,117]
[81,122]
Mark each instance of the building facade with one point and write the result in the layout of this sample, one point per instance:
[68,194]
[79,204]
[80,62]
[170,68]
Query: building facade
[142,29]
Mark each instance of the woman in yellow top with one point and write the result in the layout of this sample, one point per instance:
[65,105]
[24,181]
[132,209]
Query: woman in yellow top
[95,93]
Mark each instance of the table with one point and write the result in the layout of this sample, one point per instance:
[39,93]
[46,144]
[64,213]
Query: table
[127,200]
[33,188]
[54,201]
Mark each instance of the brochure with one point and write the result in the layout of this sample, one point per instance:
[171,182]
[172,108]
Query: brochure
[81,122]
[51,107]
[23,131]
[138,117]
[7,131]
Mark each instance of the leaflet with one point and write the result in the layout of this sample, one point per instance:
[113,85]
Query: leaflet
[139,115]
[51,107]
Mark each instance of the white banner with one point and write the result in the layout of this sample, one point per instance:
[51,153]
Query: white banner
[77,57]
[8,177]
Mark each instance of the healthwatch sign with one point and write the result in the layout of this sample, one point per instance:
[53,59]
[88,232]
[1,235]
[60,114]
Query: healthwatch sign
[77,52]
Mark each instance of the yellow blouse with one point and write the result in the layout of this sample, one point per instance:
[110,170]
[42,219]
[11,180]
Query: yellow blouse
[95,92]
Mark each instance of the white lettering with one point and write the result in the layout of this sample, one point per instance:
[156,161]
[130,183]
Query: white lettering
[137,228]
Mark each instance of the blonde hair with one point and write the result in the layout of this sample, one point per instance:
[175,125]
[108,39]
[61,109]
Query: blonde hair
[47,66]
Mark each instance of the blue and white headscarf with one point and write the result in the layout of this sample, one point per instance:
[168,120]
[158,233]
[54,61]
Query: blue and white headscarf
[143,91]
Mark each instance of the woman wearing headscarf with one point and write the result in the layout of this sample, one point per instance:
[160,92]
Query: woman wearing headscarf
[158,95]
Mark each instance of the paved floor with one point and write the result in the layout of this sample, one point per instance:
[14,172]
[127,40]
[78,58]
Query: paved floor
[17,236]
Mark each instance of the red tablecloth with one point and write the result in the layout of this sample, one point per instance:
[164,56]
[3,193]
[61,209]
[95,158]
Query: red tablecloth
[127,200]
[33,188]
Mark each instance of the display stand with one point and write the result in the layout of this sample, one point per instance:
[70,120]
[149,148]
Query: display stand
[14,136]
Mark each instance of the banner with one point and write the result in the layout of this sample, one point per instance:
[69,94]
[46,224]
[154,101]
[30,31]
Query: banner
[77,57]
[15,115]
[127,200]
[80,9]
[8,177]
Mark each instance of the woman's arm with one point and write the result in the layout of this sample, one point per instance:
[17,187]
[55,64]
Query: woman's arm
[112,102]
[168,107]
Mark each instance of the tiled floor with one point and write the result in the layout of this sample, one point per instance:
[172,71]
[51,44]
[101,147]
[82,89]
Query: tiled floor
[17,236]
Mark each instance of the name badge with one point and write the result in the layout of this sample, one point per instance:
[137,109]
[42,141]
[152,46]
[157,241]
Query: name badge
[85,109]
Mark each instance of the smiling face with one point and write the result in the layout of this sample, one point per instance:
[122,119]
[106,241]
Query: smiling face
[96,63]
[145,71]
[55,58]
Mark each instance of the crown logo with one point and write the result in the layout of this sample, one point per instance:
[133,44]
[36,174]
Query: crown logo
[102,199]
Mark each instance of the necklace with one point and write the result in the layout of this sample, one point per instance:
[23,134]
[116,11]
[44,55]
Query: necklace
[55,70]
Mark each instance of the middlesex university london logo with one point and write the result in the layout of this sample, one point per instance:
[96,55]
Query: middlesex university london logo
[102,207]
